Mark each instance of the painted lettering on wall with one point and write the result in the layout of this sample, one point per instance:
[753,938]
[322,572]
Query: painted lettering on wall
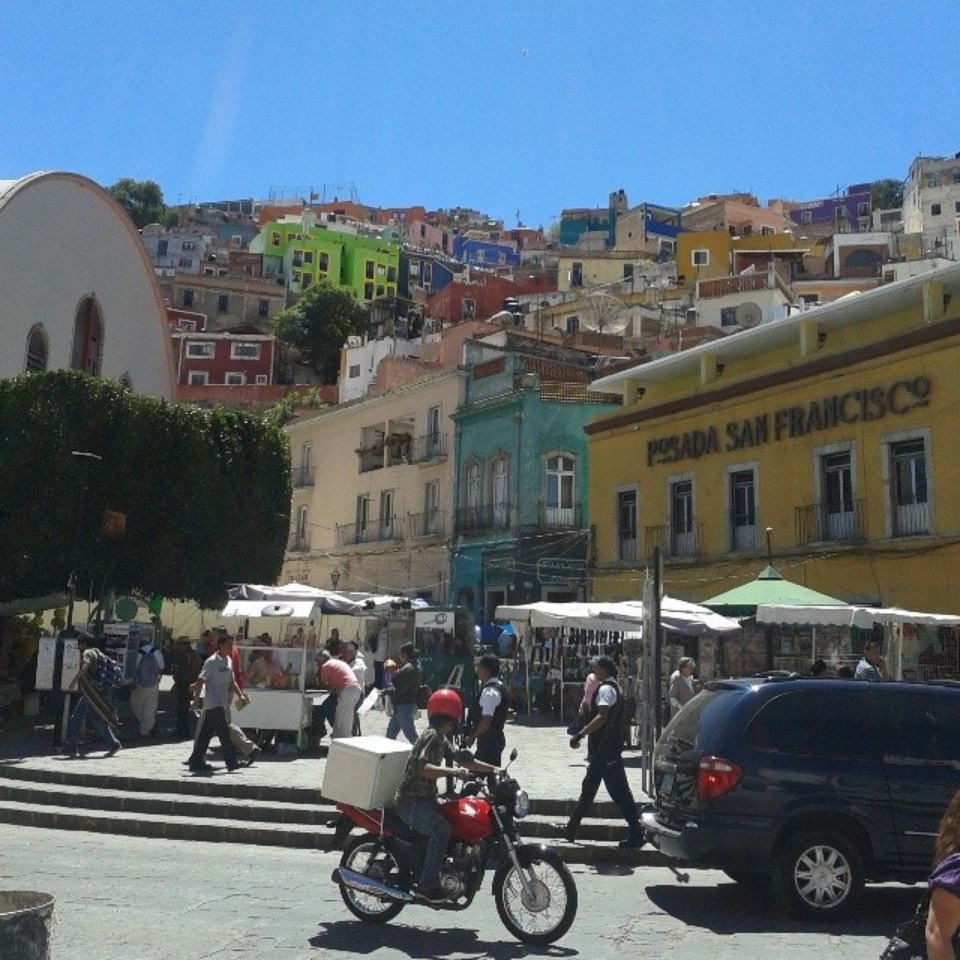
[790,423]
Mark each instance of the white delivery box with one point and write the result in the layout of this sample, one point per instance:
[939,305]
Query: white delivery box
[364,771]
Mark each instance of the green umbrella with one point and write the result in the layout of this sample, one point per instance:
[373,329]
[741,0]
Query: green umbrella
[769,587]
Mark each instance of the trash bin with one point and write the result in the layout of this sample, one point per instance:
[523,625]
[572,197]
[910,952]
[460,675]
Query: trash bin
[25,924]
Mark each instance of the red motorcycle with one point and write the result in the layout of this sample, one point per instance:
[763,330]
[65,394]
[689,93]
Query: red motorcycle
[535,892]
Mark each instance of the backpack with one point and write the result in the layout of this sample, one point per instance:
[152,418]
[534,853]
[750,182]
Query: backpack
[423,695]
[108,672]
[148,671]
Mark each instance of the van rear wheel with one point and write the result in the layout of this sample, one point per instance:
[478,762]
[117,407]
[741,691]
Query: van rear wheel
[818,875]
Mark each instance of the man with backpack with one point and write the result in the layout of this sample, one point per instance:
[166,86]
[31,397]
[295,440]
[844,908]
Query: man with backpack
[146,691]
[96,678]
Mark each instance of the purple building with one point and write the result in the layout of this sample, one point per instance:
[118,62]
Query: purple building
[849,213]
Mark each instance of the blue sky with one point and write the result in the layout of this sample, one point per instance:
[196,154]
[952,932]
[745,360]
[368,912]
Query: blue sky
[504,107]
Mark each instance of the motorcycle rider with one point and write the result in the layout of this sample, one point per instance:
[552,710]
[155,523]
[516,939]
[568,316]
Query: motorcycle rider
[488,732]
[417,793]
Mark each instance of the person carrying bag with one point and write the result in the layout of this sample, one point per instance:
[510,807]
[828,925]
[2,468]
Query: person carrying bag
[933,932]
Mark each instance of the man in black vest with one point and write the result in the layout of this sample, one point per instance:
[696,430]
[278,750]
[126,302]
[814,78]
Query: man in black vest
[604,735]
[488,730]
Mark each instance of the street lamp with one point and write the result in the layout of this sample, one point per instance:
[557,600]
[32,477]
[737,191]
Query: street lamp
[85,458]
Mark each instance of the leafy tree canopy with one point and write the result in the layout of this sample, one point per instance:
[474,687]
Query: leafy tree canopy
[319,323]
[886,194]
[142,199]
[205,495]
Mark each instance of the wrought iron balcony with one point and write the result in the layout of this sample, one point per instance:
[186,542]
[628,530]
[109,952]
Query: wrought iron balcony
[673,542]
[432,446]
[429,524]
[485,516]
[818,523]
[570,518]
[372,531]
[298,543]
[303,477]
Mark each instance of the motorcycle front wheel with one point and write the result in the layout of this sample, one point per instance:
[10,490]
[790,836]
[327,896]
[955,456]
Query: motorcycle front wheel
[543,912]
[374,860]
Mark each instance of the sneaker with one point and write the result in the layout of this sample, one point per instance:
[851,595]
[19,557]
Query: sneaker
[202,768]
[113,751]
[253,755]
[233,767]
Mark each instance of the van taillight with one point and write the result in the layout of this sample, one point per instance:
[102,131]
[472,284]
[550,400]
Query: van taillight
[715,777]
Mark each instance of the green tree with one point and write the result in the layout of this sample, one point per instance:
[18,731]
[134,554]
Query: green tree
[886,194]
[205,494]
[319,323]
[142,199]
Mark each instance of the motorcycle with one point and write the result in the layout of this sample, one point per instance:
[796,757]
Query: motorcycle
[535,893]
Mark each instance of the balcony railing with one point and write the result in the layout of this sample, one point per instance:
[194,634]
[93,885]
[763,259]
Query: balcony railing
[486,516]
[429,524]
[559,517]
[910,519]
[673,543]
[816,523]
[371,458]
[302,477]
[433,446]
[373,531]
[298,543]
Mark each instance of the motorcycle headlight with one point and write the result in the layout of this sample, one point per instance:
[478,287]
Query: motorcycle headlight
[521,805]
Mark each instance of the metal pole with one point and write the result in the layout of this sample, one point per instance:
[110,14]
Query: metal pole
[657,640]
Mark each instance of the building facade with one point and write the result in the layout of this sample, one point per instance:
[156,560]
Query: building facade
[372,498]
[67,302]
[833,432]
[520,527]
[931,203]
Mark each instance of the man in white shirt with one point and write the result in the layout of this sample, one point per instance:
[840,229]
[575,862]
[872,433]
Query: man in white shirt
[681,690]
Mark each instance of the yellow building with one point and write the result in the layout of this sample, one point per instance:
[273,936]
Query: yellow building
[835,430]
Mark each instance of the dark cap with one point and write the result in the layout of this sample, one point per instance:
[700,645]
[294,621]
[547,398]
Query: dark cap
[605,663]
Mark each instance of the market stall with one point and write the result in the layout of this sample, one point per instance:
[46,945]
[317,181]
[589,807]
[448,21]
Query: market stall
[558,641]
[282,690]
[917,645]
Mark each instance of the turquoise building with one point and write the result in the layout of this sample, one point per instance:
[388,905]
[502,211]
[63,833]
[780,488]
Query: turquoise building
[521,532]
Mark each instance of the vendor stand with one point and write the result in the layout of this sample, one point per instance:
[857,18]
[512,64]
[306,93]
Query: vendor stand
[917,645]
[283,698]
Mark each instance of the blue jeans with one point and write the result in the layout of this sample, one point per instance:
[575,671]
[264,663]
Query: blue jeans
[424,817]
[83,712]
[401,721]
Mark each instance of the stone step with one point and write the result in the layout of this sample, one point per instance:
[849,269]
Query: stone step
[223,785]
[254,823]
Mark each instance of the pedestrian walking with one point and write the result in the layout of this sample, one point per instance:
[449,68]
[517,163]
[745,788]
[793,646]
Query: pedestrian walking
[95,680]
[185,667]
[217,684]
[403,695]
[604,736]
[145,694]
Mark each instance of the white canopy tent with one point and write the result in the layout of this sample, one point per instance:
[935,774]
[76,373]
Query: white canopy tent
[865,618]
[680,616]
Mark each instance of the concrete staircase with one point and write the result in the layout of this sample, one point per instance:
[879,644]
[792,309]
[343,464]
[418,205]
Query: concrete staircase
[227,810]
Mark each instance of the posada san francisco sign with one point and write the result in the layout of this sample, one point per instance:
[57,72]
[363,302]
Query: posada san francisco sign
[789,423]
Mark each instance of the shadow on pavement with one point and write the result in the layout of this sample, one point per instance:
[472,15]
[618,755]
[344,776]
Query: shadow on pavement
[730,908]
[351,938]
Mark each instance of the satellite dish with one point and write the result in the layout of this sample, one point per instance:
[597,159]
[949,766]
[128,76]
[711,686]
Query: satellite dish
[748,315]
[604,313]
[277,610]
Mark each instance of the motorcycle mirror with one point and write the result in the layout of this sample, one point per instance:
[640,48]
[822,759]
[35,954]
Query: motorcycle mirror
[513,754]
[464,756]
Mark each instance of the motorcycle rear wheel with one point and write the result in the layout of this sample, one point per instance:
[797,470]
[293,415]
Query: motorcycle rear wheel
[374,860]
[548,912]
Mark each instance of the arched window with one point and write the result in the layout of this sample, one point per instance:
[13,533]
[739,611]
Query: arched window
[87,338]
[38,349]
